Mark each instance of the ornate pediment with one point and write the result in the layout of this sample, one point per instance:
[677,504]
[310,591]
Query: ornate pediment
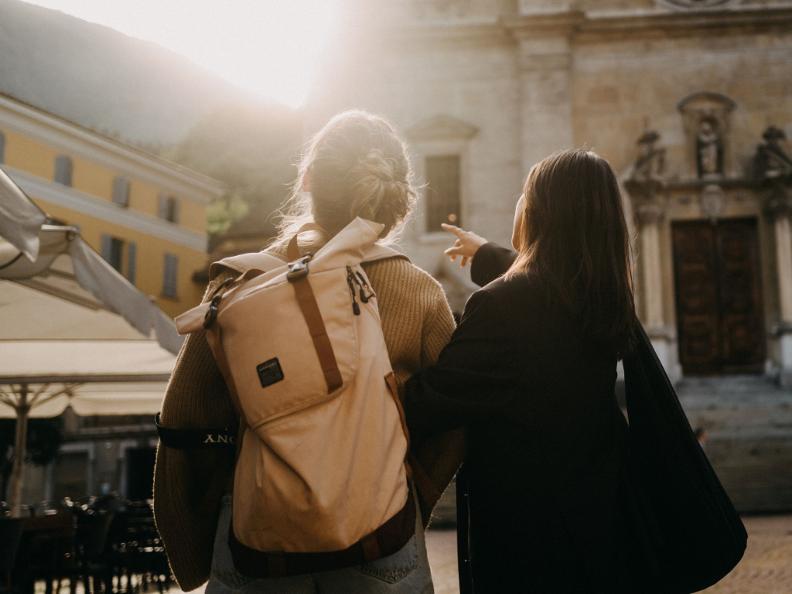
[442,127]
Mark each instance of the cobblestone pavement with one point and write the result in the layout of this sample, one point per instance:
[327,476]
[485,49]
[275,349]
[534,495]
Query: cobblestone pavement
[765,569]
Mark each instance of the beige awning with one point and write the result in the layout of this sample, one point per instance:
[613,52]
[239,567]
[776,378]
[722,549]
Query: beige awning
[94,377]
[144,398]
[82,361]
[65,320]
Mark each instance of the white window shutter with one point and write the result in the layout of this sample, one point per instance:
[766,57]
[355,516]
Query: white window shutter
[106,247]
[162,206]
[170,275]
[63,170]
[131,261]
[121,191]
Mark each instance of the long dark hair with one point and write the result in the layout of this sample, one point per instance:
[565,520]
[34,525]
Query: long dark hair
[574,236]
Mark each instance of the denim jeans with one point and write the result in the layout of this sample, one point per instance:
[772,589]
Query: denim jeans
[406,571]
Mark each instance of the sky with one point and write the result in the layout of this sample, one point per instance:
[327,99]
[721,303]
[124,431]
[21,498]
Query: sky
[268,47]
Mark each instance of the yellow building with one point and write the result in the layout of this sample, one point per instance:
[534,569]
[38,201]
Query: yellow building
[145,215]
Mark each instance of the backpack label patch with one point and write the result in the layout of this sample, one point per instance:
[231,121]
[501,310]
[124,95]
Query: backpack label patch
[269,372]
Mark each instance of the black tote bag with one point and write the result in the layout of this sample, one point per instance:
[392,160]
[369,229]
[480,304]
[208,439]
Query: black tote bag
[690,534]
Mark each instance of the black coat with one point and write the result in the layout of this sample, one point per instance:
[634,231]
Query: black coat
[546,440]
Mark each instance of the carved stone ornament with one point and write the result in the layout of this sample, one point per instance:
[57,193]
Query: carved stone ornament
[646,177]
[772,162]
[778,203]
[648,212]
[773,171]
[650,163]
[713,201]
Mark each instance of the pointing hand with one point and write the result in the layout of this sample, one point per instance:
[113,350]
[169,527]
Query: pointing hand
[466,245]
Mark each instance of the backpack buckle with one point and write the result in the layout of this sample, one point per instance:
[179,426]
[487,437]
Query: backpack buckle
[214,304]
[298,269]
[211,313]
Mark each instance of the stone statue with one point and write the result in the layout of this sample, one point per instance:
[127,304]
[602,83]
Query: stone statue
[650,163]
[771,160]
[709,149]
[645,179]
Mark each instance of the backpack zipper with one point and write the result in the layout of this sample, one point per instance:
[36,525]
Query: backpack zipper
[351,281]
[368,293]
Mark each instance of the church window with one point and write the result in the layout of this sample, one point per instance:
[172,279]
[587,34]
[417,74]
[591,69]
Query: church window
[443,185]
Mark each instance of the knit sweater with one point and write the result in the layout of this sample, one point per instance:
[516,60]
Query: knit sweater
[189,484]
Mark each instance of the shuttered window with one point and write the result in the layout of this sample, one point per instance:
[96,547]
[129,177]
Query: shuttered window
[121,191]
[442,191]
[113,251]
[168,208]
[63,170]
[170,276]
[131,262]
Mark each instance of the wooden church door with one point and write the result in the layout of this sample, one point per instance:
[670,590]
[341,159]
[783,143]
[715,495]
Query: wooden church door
[718,296]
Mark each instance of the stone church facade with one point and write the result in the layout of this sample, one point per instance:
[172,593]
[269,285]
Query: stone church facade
[689,100]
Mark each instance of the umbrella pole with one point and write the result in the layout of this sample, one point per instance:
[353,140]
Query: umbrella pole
[20,445]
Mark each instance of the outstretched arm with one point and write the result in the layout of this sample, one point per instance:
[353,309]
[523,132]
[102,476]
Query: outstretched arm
[488,260]
[470,381]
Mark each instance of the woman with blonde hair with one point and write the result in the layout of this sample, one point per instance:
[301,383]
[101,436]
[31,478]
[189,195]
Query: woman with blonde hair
[356,166]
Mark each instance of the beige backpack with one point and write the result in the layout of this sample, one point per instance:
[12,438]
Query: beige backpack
[320,479]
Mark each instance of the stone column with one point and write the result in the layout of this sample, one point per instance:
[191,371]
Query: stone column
[784,262]
[783,247]
[649,215]
[649,218]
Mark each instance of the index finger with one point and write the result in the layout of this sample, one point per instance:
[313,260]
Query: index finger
[453,229]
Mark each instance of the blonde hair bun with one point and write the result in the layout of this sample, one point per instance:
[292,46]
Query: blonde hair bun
[358,167]
[377,164]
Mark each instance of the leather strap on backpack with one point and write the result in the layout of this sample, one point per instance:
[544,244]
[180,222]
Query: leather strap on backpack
[386,540]
[306,299]
[293,249]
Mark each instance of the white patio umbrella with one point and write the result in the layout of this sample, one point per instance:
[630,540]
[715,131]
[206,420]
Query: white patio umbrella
[48,358]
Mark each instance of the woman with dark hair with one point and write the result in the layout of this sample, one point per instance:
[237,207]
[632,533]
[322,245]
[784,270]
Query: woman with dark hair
[530,374]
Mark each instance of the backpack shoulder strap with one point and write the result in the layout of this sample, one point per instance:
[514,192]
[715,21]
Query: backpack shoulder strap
[241,263]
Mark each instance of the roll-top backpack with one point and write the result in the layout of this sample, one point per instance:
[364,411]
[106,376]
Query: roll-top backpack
[321,479]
